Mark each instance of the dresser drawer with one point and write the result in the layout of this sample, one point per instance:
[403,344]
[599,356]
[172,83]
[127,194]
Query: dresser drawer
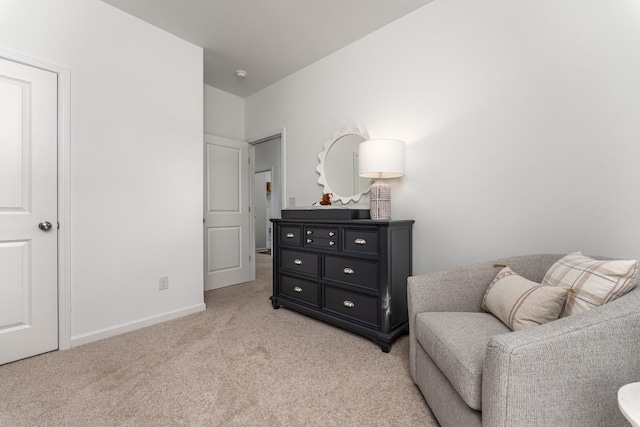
[321,237]
[351,271]
[299,262]
[299,289]
[351,304]
[361,241]
[322,243]
[324,232]
[291,235]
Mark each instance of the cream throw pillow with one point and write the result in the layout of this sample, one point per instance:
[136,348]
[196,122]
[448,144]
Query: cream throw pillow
[592,282]
[520,303]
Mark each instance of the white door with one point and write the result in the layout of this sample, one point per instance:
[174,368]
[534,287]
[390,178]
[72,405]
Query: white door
[226,201]
[28,197]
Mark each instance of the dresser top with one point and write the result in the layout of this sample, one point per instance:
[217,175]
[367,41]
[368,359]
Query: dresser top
[344,221]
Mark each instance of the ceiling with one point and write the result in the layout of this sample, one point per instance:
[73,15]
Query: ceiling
[269,39]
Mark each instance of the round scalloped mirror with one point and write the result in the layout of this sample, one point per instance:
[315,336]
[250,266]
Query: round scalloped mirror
[338,166]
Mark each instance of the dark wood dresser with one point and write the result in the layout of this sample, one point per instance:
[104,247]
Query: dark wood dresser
[350,273]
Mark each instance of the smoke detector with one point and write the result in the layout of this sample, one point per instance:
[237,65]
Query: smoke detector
[241,74]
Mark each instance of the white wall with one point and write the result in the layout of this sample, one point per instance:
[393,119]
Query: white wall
[223,114]
[521,120]
[136,159]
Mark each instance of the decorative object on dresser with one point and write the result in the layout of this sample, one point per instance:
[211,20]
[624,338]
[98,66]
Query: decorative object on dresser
[338,167]
[350,273]
[325,213]
[326,200]
[381,158]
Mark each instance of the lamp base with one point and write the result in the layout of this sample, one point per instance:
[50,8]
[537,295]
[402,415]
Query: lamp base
[380,199]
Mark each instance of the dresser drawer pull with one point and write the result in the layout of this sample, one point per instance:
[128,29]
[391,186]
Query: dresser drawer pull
[309,240]
[309,232]
[348,304]
[331,234]
[290,236]
[331,243]
[360,242]
[297,289]
[348,271]
[297,261]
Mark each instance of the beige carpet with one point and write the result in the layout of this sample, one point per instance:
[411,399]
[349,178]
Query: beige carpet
[239,363]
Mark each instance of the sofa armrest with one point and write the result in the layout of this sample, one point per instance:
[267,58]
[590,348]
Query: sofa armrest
[461,289]
[565,372]
[458,290]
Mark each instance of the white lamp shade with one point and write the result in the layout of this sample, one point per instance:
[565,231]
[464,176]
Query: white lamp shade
[381,158]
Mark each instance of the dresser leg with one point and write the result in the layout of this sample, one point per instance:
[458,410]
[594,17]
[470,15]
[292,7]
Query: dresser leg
[274,303]
[385,347]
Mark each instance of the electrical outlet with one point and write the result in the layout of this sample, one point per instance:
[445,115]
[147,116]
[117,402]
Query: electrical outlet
[163,283]
[292,202]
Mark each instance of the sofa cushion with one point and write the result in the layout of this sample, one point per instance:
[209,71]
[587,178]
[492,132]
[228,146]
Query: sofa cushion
[456,342]
[521,303]
[592,282]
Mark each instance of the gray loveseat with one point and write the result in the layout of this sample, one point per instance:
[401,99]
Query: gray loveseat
[472,370]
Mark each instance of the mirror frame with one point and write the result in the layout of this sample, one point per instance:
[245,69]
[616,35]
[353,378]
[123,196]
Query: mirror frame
[322,180]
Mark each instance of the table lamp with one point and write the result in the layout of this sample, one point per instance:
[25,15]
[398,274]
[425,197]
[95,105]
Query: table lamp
[381,158]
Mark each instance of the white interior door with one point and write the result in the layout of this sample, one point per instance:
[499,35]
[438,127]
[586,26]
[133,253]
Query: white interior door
[28,197]
[227,212]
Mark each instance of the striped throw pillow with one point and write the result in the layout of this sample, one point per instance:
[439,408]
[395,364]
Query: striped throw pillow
[592,282]
[520,303]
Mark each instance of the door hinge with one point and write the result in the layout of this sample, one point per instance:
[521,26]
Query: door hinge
[58,225]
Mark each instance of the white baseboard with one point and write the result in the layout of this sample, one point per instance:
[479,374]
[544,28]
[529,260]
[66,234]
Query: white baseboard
[132,326]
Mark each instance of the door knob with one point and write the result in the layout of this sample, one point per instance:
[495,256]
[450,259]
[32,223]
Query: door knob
[45,226]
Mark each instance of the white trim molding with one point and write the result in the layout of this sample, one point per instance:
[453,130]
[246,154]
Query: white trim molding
[64,190]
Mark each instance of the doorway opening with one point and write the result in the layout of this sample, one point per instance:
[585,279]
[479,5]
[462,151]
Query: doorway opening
[268,189]
[263,210]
